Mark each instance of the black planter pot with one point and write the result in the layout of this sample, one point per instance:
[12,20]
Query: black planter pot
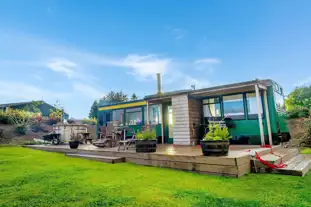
[74,144]
[215,148]
[146,145]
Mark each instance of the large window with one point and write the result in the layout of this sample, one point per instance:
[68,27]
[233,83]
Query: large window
[154,114]
[211,108]
[133,116]
[252,105]
[233,106]
[117,115]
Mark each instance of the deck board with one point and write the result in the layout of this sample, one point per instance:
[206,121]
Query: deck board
[188,158]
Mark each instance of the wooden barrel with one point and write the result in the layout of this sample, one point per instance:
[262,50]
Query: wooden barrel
[146,145]
[215,148]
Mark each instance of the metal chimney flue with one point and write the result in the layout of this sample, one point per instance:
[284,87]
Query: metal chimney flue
[159,83]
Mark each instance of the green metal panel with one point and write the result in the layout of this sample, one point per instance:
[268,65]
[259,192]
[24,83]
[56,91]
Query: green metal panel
[278,119]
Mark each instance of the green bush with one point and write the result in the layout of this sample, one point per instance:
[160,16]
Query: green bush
[4,118]
[146,135]
[21,129]
[298,113]
[217,133]
[299,98]
[91,121]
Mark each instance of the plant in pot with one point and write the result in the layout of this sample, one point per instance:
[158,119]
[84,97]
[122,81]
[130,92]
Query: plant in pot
[146,141]
[216,141]
[74,141]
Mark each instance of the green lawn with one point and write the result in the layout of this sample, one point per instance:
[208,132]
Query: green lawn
[36,178]
[306,151]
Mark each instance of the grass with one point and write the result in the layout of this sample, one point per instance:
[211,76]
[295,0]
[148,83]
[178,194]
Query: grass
[306,151]
[35,178]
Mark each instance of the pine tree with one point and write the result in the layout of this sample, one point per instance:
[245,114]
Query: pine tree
[116,96]
[94,110]
[134,97]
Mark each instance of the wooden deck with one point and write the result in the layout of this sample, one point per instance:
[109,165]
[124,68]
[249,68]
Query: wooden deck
[188,158]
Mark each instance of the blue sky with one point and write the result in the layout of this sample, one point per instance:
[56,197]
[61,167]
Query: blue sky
[76,51]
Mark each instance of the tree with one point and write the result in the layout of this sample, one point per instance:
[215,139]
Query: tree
[94,110]
[33,107]
[116,96]
[134,97]
[299,98]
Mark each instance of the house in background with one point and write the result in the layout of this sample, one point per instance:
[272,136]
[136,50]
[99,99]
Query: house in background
[254,112]
[43,107]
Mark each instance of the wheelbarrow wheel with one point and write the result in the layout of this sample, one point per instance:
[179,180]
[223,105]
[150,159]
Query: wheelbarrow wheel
[55,141]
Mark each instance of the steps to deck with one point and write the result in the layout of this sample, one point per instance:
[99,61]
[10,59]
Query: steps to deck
[278,156]
[298,166]
[106,159]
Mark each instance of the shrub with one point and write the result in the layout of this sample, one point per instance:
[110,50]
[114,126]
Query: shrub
[300,97]
[91,121]
[22,119]
[21,129]
[146,135]
[4,118]
[307,127]
[217,133]
[298,113]
[56,114]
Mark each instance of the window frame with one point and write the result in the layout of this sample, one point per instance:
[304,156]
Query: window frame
[216,118]
[235,117]
[142,115]
[111,116]
[254,116]
[146,122]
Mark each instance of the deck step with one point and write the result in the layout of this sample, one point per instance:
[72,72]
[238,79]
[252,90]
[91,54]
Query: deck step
[281,155]
[106,159]
[298,166]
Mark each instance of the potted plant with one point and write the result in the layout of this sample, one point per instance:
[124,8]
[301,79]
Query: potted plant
[216,141]
[146,141]
[74,141]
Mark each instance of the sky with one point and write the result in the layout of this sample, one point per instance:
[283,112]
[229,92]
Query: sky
[75,52]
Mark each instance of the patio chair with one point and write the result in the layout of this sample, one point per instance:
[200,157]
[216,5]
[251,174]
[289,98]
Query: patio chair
[127,142]
[106,136]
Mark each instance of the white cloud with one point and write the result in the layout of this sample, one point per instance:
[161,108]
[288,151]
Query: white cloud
[143,66]
[177,33]
[208,64]
[207,61]
[87,90]
[62,66]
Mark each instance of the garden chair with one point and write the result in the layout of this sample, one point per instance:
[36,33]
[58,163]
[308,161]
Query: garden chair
[106,136]
[127,142]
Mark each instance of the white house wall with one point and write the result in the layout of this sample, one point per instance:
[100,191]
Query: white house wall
[181,129]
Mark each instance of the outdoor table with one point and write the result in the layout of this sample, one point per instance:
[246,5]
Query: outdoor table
[124,129]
